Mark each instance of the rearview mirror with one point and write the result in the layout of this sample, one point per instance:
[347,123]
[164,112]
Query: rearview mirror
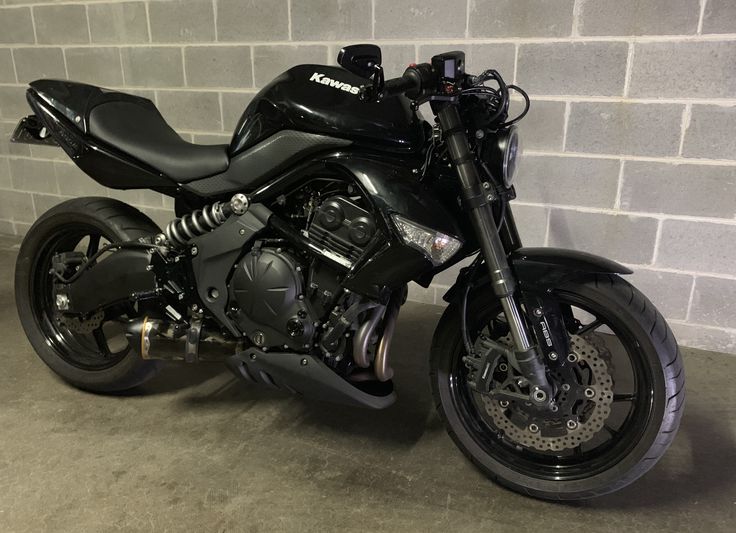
[360,59]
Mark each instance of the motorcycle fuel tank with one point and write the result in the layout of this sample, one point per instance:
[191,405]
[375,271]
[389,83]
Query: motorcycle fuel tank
[324,100]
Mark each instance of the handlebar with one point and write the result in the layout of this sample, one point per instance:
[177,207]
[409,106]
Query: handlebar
[409,82]
[415,80]
[443,82]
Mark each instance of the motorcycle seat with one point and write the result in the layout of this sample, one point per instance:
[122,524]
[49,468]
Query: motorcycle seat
[137,128]
[134,126]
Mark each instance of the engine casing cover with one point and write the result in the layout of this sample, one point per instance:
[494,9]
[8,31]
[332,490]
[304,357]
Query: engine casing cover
[266,288]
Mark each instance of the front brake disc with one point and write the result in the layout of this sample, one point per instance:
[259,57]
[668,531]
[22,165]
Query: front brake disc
[562,431]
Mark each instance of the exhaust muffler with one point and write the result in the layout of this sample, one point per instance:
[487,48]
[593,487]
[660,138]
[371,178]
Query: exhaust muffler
[153,338]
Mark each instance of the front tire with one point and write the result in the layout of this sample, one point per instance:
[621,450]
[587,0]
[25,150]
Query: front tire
[85,361]
[648,427]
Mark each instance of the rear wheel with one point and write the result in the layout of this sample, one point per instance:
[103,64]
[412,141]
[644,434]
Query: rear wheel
[618,405]
[92,354]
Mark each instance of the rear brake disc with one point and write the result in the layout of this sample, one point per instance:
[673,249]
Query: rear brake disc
[87,326]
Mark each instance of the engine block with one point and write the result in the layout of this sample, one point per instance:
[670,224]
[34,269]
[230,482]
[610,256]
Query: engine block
[267,289]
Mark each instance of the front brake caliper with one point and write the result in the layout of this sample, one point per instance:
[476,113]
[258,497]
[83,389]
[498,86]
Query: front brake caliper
[482,362]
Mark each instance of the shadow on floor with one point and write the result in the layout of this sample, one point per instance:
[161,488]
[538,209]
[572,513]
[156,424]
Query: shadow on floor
[401,424]
[701,464]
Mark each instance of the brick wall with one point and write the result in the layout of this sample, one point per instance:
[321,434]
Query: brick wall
[630,145]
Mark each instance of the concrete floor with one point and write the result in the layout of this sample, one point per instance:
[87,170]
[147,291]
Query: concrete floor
[196,450]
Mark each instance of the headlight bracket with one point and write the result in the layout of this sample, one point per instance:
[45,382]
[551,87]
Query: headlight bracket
[500,153]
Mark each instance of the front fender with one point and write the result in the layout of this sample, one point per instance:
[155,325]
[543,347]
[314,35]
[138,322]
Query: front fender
[543,268]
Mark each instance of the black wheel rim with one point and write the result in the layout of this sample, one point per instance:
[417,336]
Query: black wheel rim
[579,462]
[84,351]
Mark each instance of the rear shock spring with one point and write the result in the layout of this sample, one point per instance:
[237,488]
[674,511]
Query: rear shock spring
[181,230]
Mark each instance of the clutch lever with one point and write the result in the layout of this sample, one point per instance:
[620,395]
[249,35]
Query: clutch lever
[373,91]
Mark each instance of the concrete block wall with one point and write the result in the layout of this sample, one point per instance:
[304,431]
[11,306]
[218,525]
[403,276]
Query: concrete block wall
[630,145]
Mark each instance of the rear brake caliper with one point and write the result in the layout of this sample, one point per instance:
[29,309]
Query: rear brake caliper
[63,266]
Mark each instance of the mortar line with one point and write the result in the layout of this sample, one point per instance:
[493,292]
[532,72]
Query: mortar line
[723,102]
[373,19]
[222,111]
[657,240]
[684,125]
[672,160]
[467,19]
[183,67]
[86,16]
[641,214]
[667,270]
[33,207]
[576,8]
[627,76]
[253,66]
[731,331]
[148,24]
[619,187]
[58,3]
[15,68]
[516,61]
[288,17]
[690,299]
[548,229]
[701,16]
[191,88]
[33,25]
[565,123]
[214,18]
[63,58]
[714,37]
[122,69]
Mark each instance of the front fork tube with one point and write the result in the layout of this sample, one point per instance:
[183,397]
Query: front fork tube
[477,204]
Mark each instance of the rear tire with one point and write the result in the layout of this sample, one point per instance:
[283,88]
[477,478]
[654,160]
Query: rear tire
[637,318]
[111,219]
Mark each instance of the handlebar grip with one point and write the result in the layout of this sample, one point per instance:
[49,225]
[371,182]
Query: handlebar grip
[411,84]
[397,86]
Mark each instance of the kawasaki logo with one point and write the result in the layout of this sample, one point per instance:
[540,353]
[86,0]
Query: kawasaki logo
[324,80]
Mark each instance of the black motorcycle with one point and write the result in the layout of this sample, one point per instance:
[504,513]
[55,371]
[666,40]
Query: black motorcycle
[291,254]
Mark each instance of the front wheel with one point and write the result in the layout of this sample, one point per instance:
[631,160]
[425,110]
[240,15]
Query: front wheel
[620,393]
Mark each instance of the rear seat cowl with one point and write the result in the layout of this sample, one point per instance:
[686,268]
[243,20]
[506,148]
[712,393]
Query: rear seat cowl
[134,126]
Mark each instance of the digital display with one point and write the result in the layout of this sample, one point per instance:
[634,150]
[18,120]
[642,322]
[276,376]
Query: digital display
[450,69]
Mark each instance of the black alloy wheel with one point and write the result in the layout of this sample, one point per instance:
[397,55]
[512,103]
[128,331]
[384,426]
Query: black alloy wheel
[619,392]
[91,352]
